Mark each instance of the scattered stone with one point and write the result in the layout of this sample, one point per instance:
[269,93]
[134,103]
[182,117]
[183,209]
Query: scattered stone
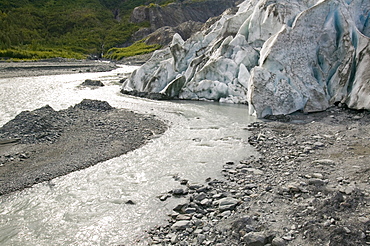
[90,82]
[181,225]
[227,203]
[310,203]
[278,241]
[164,197]
[183,217]
[255,239]
[179,192]
[324,162]
[130,202]
[317,182]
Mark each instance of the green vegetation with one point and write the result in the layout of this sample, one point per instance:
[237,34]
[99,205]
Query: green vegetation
[26,54]
[137,48]
[31,29]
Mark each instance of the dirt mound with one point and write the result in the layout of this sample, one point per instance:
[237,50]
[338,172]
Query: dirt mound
[43,144]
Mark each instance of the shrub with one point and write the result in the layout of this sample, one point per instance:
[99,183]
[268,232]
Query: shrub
[137,48]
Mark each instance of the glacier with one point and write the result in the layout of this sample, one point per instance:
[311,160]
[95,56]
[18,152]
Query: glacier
[279,56]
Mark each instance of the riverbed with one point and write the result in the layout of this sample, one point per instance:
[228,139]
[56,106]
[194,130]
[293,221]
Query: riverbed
[89,207]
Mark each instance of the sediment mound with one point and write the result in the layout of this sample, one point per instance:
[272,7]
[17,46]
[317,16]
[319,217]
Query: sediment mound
[43,144]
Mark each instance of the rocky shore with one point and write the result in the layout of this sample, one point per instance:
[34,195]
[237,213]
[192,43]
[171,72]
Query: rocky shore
[43,144]
[52,67]
[309,186]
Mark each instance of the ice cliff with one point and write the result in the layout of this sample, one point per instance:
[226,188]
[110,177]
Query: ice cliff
[279,56]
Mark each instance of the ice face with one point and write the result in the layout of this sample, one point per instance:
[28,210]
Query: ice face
[279,56]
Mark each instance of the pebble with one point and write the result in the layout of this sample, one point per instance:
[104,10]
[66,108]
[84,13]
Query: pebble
[181,225]
[324,162]
[179,192]
[346,230]
[319,144]
[250,186]
[278,241]
[316,182]
[194,186]
[183,217]
[317,175]
[255,238]
[227,203]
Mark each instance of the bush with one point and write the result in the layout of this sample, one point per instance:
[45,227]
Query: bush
[137,48]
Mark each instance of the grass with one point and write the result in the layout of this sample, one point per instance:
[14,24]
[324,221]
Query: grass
[31,29]
[27,54]
[137,48]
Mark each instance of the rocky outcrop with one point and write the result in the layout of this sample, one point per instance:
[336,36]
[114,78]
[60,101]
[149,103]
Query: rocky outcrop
[182,17]
[164,35]
[178,12]
[278,56]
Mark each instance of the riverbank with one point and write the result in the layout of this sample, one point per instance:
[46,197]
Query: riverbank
[52,67]
[309,186]
[40,145]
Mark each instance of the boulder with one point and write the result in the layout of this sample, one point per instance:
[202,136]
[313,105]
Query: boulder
[90,82]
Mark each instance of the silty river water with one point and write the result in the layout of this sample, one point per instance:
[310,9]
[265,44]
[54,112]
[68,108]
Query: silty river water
[88,207]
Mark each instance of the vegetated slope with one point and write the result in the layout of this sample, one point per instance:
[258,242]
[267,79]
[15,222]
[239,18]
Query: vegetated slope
[76,28]
[184,17]
[68,28]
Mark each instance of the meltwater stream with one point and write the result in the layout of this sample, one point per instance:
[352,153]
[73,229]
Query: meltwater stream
[88,207]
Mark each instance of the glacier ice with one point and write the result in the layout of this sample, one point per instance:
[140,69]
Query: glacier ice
[278,56]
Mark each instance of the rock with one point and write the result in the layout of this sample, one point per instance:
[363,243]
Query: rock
[181,225]
[130,202]
[90,82]
[174,238]
[226,213]
[164,197]
[179,192]
[94,105]
[176,13]
[316,182]
[205,202]
[364,220]
[317,175]
[180,207]
[183,217]
[254,171]
[293,187]
[255,239]
[250,186]
[190,210]
[278,241]
[349,190]
[319,144]
[200,197]
[346,230]
[324,162]
[194,186]
[227,203]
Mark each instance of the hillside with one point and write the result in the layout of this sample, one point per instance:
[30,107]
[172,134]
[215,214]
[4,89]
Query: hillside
[76,29]
[72,29]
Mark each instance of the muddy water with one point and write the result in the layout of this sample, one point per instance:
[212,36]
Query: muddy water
[89,207]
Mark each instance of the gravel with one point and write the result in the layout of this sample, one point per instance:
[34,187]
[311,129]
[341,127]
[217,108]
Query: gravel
[309,186]
[43,144]
[52,67]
